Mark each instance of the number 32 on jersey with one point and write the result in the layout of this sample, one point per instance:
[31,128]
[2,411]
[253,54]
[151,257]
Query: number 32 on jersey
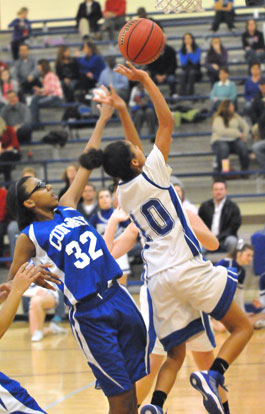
[83,259]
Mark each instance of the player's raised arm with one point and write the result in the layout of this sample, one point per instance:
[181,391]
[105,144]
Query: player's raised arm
[73,194]
[203,234]
[165,119]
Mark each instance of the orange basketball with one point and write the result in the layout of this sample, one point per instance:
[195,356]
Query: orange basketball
[141,41]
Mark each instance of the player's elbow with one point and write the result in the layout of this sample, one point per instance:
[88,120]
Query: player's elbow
[214,245]
[167,123]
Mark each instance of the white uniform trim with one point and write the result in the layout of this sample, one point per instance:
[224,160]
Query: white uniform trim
[43,258]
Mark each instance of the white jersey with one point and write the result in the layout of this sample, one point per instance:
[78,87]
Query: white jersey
[156,209]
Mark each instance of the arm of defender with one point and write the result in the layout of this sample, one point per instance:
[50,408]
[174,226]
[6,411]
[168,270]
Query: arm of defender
[22,280]
[203,234]
[124,242]
[73,194]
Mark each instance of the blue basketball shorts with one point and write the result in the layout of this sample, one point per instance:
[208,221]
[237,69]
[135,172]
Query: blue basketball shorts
[15,399]
[111,333]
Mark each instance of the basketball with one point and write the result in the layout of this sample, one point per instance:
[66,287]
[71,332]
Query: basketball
[141,41]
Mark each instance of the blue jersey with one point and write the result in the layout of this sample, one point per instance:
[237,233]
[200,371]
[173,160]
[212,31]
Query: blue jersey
[77,252]
[232,264]
[100,221]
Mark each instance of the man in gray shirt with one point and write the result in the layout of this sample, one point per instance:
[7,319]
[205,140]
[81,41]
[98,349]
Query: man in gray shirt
[17,115]
[26,71]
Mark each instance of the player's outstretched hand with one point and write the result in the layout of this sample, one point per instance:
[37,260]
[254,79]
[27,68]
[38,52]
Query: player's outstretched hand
[112,99]
[4,290]
[106,110]
[24,277]
[119,215]
[45,275]
[131,72]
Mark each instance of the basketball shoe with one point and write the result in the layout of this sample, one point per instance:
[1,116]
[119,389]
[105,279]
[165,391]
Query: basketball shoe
[151,409]
[207,382]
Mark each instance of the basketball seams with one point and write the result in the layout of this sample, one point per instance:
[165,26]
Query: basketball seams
[156,55]
[145,43]
[128,41]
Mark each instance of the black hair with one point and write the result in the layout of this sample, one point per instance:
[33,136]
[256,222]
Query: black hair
[220,180]
[15,198]
[224,69]
[115,159]
[194,45]
[241,246]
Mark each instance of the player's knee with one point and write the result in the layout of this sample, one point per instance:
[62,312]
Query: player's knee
[125,403]
[35,302]
[177,353]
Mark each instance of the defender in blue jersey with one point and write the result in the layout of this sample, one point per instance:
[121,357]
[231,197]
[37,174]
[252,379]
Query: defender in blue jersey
[105,320]
[181,283]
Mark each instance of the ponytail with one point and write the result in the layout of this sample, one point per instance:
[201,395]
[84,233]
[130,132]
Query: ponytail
[91,159]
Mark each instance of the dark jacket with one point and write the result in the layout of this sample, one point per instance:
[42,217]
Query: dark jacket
[255,42]
[68,70]
[93,17]
[81,210]
[230,218]
[213,57]
[166,64]
[257,108]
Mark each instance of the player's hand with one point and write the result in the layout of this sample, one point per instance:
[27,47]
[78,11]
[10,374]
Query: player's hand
[5,290]
[24,277]
[119,215]
[131,72]
[112,99]
[46,276]
[106,110]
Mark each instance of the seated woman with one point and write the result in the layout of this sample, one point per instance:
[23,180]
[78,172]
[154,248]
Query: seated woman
[189,56]
[67,71]
[240,257]
[50,94]
[253,43]
[41,300]
[216,58]
[9,149]
[252,86]
[7,84]
[229,134]
[91,64]
[224,89]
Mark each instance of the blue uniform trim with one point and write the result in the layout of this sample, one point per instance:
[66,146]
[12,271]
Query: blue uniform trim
[152,182]
[151,328]
[188,233]
[227,297]
[20,394]
[182,335]
[208,329]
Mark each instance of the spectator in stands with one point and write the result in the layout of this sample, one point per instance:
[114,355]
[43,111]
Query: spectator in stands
[3,66]
[114,16]
[216,58]
[142,14]
[3,219]
[68,72]
[26,71]
[163,69]
[7,84]
[142,109]
[21,31]
[257,109]
[68,177]
[189,57]
[223,90]
[222,216]
[179,187]
[224,12]
[253,43]
[50,94]
[9,148]
[119,82]
[88,204]
[229,134]
[88,15]
[17,115]
[90,67]
[41,300]
[252,86]
[258,148]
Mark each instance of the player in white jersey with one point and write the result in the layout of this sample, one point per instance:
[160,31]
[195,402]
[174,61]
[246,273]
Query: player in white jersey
[201,347]
[181,283]
[13,397]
